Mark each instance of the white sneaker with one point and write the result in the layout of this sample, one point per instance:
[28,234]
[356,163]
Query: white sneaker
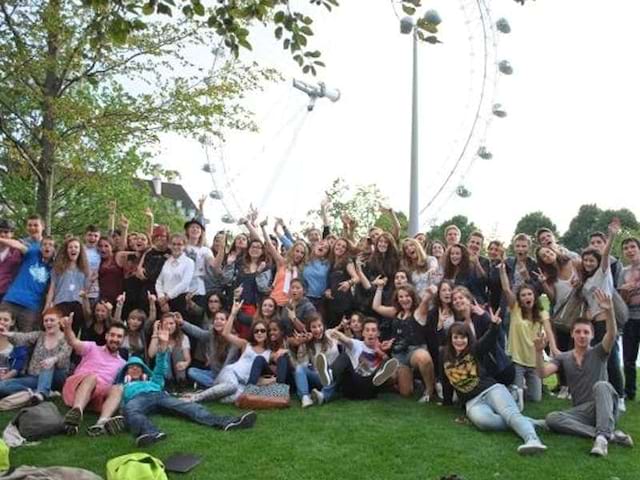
[385,372]
[317,396]
[322,366]
[621,438]
[439,391]
[600,447]
[622,406]
[531,447]
[563,394]
[306,401]
[424,398]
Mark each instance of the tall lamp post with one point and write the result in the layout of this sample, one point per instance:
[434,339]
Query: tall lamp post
[408,27]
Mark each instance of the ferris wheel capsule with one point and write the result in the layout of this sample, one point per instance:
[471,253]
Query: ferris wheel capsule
[228,219]
[216,195]
[484,154]
[463,192]
[208,168]
[498,111]
[505,67]
[503,25]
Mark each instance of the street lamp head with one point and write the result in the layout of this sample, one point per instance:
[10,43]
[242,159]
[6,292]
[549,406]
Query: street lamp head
[432,17]
[406,25]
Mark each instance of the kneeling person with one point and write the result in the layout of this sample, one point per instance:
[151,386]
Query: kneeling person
[143,394]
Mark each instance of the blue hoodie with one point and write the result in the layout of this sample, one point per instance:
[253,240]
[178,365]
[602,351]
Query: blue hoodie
[154,381]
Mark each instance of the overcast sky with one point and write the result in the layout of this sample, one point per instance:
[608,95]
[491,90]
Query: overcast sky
[569,137]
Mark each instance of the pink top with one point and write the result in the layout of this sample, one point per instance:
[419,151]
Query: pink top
[10,260]
[99,361]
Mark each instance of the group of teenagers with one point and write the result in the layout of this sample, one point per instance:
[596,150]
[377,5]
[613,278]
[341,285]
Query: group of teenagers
[328,315]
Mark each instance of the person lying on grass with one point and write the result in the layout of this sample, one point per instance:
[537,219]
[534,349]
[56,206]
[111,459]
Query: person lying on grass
[595,401]
[489,405]
[143,393]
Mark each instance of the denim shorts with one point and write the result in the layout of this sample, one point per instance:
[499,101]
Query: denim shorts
[405,357]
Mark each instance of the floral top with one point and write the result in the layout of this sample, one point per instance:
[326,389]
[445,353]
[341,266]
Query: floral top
[62,351]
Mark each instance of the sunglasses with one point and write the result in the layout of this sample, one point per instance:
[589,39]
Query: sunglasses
[259,330]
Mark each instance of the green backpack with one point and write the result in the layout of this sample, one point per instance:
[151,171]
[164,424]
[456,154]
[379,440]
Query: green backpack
[138,466]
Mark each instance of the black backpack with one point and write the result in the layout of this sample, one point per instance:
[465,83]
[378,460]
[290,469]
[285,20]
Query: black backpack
[40,421]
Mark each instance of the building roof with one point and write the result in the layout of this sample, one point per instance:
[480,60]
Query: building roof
[175,192]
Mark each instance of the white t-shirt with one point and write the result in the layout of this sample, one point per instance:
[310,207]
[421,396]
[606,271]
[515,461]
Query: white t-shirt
[200,256]
[365,360]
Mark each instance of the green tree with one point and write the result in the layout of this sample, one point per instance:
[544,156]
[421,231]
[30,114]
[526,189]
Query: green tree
[462,222]
[78,98]
[232,19]
[591,218]
[360,202]
[532,222]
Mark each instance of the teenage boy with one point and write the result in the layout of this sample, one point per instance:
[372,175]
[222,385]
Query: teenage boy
[35,229]
[630,291]
[598,241]
[143,394]
[26,293]
[452,235]
[521,266]
[361,369]
[546,238]
[595,401]
[90,384]
[10,258]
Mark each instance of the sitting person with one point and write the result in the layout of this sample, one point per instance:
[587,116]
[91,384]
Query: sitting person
[595,401]
[317,341]
[233,378]
[12,360]
[138,326]
[263,370]
[219,351]
[90,384]
[488,403]
[143,393]
[362,369]
[179,348]
[49,363]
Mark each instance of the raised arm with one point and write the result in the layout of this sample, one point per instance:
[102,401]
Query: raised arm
[395,223]
[241,343]
[117,316]
[422,311]
[605,302]
[506,285]
[268,246]
[342,338]
[614,229]
[69,336]
[149,214]
[86,308]
[364,281]
[377,306]
[543,370]
[11,243]
[112,216]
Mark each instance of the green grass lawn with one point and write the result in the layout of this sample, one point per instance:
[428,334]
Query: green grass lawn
[386,438]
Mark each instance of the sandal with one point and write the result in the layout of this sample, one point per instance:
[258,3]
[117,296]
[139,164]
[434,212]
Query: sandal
[72,421]
[114,425]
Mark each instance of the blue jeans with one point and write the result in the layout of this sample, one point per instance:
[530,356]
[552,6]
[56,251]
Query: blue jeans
[41,383]
[260,366]
[307,377]
[202,377]
[137,409]
[495,409]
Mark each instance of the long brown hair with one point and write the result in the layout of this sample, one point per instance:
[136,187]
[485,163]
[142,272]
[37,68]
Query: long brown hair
[325,341]
[552,271]
[63,261]
[463,267]
[386,263]
[458,328]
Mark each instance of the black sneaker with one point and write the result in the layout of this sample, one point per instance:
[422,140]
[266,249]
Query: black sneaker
[385,372]
[245,421]
[147,439]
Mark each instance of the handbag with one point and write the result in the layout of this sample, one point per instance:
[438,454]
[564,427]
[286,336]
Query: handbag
[41,421]
[138,466]
[264,397]
[573,307]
